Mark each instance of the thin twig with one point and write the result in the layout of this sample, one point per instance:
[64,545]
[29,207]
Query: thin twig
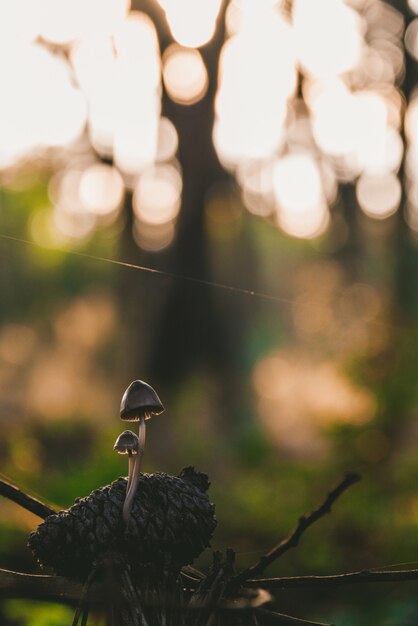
[278,619]
[131,597]
[83,604]
[24,500]
[192,572]
[364,576]
[304,522]
[85,616]
[19,585]
[16,584]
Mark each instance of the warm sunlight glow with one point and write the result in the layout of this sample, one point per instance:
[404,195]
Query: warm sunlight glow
[309,96]
[137,84]
[411,162]
[167,140]
[256,181]
[328,36]
[240,13]
[411,38]
[157,195]
[101,189]
[59,227]
[297,182]
[192,22]
[379,196]
[305,225]
[257,76]
[411,120]
[329,181]
[300,396]
[19,22]
[185,75]
[353,126]
[73,225]
[302,210]
[63,189]
[389,157]
[412,215]
[39,106]
[370,129]
[95,68]
[153,237]
[256,176]
[333,118]
[61,21]
[17,343]
[69,221]
[135,139]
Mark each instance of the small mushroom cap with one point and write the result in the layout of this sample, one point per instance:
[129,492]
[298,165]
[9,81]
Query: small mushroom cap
[140,400]
[126,443]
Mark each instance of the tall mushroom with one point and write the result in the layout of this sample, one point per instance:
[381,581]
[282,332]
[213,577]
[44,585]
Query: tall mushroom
[128,443]
[139,403]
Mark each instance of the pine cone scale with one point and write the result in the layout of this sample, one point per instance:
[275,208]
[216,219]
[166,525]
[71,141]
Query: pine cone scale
[170,516]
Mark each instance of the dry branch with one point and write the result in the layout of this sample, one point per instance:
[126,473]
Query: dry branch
[304,523]
[271,618]
[18,585]
[24,500]
[364,576]
[57,588]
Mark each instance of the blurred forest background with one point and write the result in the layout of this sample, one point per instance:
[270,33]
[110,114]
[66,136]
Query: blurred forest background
[267,145]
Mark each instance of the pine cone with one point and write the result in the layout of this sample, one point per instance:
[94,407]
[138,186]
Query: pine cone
[171,521]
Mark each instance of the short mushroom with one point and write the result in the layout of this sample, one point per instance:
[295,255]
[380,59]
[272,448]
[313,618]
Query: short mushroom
[128,443]
[139,403]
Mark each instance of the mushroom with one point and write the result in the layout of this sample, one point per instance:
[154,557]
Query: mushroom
[128,443]
[139,403]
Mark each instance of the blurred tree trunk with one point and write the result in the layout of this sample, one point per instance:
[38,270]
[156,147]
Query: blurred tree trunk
[392,370]
[190,331]
[186,323]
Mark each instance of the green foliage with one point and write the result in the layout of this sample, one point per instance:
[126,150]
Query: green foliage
[37,614]
[259,485]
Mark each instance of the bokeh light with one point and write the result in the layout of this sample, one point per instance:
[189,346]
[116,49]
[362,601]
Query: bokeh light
[411,38]
[302,210]
[167,140]
[349,54]
[353,126]
[192,23]
[185,75]
[101,189]
[40,106]
[72,224]
[328,35]
[153,237]
[313,116]
[19,22]
[379,196]
[157,195]
[257,76]
[62,22]
[96,68]
[121,79]
[295,418]
[17,343]
[411,119]
[138,87]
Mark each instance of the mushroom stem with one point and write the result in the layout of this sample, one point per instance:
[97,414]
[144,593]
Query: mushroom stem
[128,443]
[133,478]
[141,433]
[131,464]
